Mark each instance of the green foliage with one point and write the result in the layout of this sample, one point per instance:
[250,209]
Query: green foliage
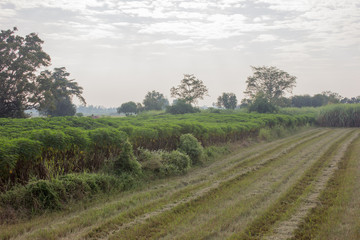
[340,115]
[128,108]
[50,139]
[227,100]
[155,101]
[261,104]
[73,144]
[164,163]
[175,163]
[190,89]
[192,147]
[181,107]
[126,161]
[21,89]
[150,160]
[20,58]
[40,195]
[271,82]
[317,100]
[8,159]
[56,92]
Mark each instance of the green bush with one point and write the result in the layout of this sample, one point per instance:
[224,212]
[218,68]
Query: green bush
[192,147]
[175,163]
[126,162]
[150,160]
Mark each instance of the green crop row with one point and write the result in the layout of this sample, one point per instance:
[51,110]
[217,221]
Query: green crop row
[48,147]
[340,115]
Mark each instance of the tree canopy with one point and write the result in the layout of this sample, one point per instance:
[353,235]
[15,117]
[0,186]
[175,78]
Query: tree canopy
[21,88]
[227,100]
[20,58]
[190,89]
[128,108]
[155,101]
[272,82]
[56,92]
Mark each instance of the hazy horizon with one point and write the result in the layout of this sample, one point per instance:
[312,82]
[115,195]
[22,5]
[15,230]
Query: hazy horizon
[119,50]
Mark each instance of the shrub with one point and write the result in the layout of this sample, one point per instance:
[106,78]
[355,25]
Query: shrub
[150,160]
[175,163]
[192,147]
[126,162]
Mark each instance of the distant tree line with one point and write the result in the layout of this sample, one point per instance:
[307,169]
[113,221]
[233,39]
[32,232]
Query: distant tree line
[23,87]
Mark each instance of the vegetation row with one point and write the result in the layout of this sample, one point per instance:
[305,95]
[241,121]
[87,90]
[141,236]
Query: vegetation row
[48,147]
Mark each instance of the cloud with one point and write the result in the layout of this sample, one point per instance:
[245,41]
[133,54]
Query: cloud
[265,38]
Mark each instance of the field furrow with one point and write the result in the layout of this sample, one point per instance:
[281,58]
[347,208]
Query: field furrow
[215,200]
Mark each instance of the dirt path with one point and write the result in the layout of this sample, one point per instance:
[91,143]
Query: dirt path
[212,202]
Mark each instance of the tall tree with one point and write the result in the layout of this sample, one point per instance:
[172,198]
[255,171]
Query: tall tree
[190,89]
[227,100]
[271,82]
[56,92]
[155,101]
[20,58]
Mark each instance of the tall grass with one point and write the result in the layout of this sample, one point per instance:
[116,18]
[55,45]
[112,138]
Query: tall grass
[339,115]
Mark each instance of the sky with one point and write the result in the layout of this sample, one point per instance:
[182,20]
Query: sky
[120,50]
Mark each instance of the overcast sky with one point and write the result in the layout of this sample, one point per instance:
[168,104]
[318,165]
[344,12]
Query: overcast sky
[119,50]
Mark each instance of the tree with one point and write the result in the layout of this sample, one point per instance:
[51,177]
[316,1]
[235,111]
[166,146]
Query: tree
[227,100]
[155,101]
[20,58]
[181,107]
[261,104]
[332,97]
[128,108]
[56,92]
[271,82]
[302,101]
[190,89]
